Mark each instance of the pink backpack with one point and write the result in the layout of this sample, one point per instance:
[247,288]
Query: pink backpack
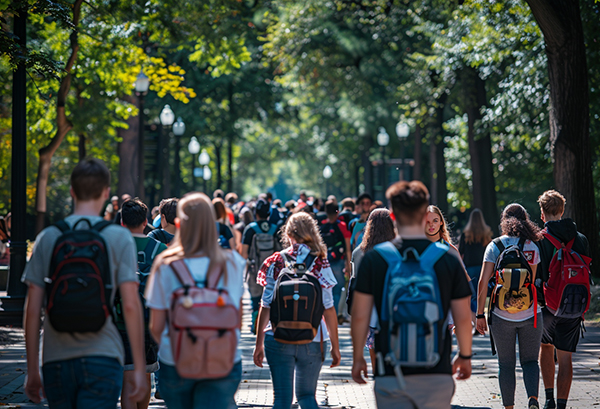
[202,324]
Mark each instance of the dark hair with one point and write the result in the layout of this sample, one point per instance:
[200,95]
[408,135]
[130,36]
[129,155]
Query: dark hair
[364,196]
[476,230]
[89,179]
[231,198]
[515,222]
[349,203]
[269,196]
[379,229]
[168,208]
[133,212]
[331,208]
[218,193]
[409,201]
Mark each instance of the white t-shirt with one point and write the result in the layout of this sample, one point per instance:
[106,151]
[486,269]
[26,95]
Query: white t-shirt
[163,283]
[532,253]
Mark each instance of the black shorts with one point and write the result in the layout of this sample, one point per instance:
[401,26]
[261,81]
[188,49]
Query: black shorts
[563,333]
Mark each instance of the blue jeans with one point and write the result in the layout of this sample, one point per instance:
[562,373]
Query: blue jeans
[92,382]
[337,266]
[283,359]
[185,393]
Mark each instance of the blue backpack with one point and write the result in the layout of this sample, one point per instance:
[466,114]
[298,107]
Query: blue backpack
[412,308]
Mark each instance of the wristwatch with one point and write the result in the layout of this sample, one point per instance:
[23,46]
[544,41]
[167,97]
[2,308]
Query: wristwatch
[461,356]
[480,316]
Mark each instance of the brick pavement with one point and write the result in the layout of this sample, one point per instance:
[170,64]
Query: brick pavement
[335,388]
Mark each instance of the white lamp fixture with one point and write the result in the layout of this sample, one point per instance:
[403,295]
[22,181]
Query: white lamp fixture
[167,117]
[179,127]
[204,159]
[383,138]
[194,146]
[207,173]
[327,172]
[142,83]
[402,130]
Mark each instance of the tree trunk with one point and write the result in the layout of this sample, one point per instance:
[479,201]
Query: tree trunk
[63,126]
[439,190]
[480,151]
[81,147]
[219,163]
[128,155]
[560,22]
[417,154]
[230,140]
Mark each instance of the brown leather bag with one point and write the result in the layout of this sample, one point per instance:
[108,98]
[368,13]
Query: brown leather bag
[202,324]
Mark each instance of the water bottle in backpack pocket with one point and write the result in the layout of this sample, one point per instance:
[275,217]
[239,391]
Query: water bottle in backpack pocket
[411,308]
[79,285]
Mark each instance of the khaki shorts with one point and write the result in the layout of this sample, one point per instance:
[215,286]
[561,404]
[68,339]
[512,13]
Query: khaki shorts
[433,391]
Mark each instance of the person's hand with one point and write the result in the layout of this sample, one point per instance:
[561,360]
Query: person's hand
[140,386]
[481,326]
[258,356]
[359,369]
[461,367]
[33,387]
[336,357]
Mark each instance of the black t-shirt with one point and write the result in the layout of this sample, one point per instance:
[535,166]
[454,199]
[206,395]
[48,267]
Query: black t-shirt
[249,232]
[161,235]
[225,231]
[453,285]
[472,253]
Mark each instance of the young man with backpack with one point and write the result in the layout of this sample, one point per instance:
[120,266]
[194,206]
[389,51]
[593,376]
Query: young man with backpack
[133,218]
[347,214]
[74,271]
[259,241]
[357,225]
[413,284]
[337,239]
[561,328]
[168,211]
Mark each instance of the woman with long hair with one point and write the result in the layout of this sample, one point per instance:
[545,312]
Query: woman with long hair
[226,237]
[471,246]
[436,229]
[379,229]
[195,243]
[301,235]
[507,327]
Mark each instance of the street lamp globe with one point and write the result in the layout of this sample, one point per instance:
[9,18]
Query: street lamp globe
[204,159]
[142,83]
[179,127]
[327,172]
[167,117]
[402,130]
[383,138]
[207,173]
[194,146]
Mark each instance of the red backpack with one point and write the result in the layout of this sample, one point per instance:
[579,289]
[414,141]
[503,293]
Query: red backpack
[568,288]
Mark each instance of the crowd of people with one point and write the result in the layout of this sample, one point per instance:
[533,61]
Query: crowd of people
[126,292]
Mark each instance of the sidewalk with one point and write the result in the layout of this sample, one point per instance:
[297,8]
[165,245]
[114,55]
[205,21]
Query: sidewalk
[336,388]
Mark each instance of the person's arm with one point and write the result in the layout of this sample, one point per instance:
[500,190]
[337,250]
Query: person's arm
[262,321]
[362,306]
[486,273]
[461,313]
[134,323]
[158,321]
[245,249]
[348,257]
[332,326]
[31,324]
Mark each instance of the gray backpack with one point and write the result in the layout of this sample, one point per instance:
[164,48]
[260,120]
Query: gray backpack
[264,244]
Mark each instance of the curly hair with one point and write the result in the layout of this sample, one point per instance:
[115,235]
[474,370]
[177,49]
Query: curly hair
[515,222]
[379,229]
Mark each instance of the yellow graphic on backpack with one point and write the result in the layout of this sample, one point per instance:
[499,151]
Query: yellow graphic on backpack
[513,290]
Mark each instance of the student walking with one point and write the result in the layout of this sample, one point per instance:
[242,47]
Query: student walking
[295,340]
[167,210]
[407,380]
[511,261]
[82,351]
[471,246]
[560,331]
[196,280]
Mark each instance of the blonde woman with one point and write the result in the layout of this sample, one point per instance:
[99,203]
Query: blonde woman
[301,235]
[195,242]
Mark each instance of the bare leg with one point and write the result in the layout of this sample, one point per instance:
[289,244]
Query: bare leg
[547,365]
[373,360]
[126,401]
[565,374]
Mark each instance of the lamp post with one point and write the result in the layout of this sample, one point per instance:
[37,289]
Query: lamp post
[193,148]
[178,131]
[383,139]
[204,160]
[167,117]
[327,173]
[142,84]
[402,130]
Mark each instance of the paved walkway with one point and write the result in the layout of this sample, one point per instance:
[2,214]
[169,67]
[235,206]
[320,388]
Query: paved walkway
[335,388]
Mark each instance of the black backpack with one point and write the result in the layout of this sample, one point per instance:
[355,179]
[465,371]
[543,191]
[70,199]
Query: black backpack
[79,286]
[297,306]
[333,239]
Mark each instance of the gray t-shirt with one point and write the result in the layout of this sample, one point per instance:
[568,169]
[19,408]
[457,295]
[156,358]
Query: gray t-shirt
[61,346]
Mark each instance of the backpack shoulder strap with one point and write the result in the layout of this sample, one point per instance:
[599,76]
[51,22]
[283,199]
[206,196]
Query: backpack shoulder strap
[101,225]
[62,226]
[432,254]
[555,242]
[521,243]
[151,248]
[254,226]
[213,275]
[389,252]
[272,230]
[182,273]
[499,244]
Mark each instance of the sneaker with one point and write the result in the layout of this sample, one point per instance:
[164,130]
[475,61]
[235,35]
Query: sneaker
[550,404]
[533,404]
